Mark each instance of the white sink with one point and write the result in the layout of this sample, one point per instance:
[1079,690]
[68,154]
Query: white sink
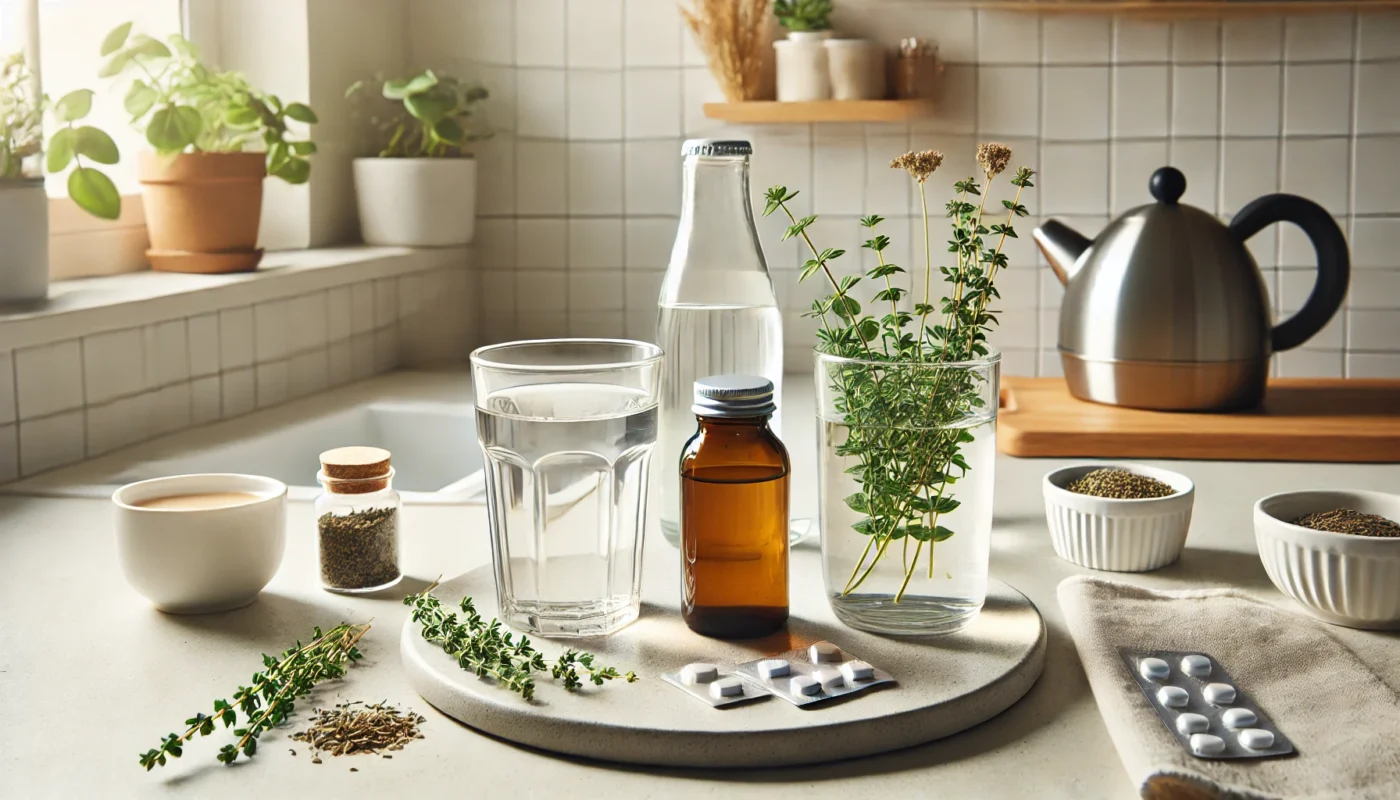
[426,420]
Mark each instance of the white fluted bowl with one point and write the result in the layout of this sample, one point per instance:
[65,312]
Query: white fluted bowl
[1338,577]
[1118,535]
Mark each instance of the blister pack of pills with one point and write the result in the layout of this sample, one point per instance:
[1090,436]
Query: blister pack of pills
[1202,705]
[811,674]
[716,685]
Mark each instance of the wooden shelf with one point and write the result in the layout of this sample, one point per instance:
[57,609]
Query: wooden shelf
[1179,9]
[768,111]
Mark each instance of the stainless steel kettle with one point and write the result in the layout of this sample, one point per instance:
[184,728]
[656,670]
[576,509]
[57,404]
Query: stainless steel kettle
[1166,309]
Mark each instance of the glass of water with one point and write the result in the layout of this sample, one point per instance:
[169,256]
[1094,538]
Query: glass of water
[567,427]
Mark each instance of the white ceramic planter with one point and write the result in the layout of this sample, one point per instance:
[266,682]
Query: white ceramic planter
[24,229]
[1118,535]
[803,73]
[857,68]
[1339,578]
[416,202]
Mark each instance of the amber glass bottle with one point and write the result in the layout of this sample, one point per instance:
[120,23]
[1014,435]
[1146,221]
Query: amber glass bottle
[734,512]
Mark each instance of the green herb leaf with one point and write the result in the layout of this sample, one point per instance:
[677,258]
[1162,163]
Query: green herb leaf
[61,149]
[93,143]
[173,128]
[114,39]
[73,106]
[139,99]
[94,193]
[300,112]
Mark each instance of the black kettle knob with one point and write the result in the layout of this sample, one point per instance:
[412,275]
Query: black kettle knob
[1167,185]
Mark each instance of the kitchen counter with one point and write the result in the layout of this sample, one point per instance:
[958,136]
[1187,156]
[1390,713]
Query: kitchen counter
[91,675]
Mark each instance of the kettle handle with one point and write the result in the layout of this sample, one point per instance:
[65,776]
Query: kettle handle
[1333,261]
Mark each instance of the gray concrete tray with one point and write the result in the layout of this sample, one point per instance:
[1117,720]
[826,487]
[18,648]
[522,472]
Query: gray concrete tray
[945,684]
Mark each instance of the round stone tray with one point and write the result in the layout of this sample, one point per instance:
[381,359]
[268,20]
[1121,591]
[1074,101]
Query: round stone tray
[945,684]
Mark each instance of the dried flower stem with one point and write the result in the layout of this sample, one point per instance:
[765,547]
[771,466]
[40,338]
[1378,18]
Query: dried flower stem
[735,35]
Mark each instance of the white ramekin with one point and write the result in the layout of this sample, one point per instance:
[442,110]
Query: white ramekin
[197,561]
[1339,578]
[1118,535]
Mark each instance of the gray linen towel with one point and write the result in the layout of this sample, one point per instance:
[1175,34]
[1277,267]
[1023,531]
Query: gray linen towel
[1343,719]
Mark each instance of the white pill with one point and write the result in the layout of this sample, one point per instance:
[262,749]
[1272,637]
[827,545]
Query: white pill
[1192,723]
[857,671]
[824,653]
[773,668]
[1196,666]
[1207,744]
[1238,718]
[1257,738]
[1172,696]
[727,687]
[1219,694]
[830,679]
[1154,669]
[801,684]
[699,672]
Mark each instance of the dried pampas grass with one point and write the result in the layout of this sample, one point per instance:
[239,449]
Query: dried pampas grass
[736,36]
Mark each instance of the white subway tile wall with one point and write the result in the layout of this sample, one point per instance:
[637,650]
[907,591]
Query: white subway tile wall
[1244,108]
[80,398]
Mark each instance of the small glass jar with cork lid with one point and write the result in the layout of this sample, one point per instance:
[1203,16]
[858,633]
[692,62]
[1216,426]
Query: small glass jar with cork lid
[357,520]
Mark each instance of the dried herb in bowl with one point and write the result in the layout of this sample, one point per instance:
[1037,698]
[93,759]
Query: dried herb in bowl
[1120,484]
[1346,520]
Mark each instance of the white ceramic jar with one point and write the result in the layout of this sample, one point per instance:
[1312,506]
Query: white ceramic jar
[416,202]
[1339,578]
[24,229]
[1129,535]
[803,74]
[198,561]
[857,68]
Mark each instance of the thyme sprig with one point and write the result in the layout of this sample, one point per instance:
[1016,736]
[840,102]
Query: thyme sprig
[489,650]
[270,697]
[903,423]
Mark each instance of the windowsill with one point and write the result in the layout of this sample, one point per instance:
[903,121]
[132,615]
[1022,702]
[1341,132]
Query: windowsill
[90,305]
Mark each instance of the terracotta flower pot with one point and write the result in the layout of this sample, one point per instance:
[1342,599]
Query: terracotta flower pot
[203,210]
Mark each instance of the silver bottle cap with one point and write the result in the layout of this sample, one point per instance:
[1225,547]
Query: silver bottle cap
[734,396]
[716,147]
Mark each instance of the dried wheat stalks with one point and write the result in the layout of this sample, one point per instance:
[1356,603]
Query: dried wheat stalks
[736,37]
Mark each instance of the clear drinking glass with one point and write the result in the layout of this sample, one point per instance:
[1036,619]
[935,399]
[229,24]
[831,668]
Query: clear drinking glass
[906,472]
[567,427]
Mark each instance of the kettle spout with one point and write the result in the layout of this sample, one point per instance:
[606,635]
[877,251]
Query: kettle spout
[1062,247]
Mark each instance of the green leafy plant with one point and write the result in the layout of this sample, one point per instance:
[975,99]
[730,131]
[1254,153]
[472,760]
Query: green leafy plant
[488,650]
[904,448]
[184,106]
[803,15]
[434,116]
[269,699]
[21,137]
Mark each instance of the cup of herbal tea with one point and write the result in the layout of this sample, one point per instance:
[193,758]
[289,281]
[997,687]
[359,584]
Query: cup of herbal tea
[196,544]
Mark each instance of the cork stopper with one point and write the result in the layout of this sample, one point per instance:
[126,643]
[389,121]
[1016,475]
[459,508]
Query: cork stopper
[355,470]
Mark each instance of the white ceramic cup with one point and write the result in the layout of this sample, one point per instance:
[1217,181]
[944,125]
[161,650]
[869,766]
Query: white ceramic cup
[1113,534]
[198,561]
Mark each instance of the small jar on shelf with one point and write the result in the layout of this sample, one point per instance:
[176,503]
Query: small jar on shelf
[357,520]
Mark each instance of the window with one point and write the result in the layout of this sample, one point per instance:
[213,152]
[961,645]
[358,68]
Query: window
[68,34]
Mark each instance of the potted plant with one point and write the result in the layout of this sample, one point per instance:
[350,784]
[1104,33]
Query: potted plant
[202,187]
[420,191]
[24,205]
[907,407]
[801,58]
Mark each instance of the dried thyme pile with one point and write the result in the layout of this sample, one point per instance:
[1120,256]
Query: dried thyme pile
[359,550]
[1120,484]
[1346,520]
[360,729]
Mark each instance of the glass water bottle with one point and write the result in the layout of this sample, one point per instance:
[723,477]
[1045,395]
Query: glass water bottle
[734,512]
[718,314]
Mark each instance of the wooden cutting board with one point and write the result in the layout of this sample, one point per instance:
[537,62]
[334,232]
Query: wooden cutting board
[1301,420]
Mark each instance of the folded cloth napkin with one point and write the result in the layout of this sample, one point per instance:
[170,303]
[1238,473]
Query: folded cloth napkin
[1343,719]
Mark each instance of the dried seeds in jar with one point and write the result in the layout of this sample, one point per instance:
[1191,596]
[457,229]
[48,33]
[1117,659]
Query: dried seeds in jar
[357,520]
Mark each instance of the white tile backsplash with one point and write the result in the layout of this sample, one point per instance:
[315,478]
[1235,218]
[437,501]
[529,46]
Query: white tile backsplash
[651,34]
[1007,37]
[1248,170]
[1313,101]
[539,33]
[538,168]
[594,34]
[1318,37]
[236,337]
[1140,100]
[49,379]
[206,399]
[1075,178]
[595,244]
[1376,188]
[595,105]
[1006,97]
[204,344]
[114,365]
[653,104]
[1075,103]
[1378,35]
[1378,97]
[595,178]
[240,392]
[1251,99]
[1252,40]
[1317,170]
[1140,41]
[7,387]
[1195,100]
[1075,39]
[9,452]
[652,176]
[1196,41]
[541,107]
[170,358]
[1375,243]
[51,441]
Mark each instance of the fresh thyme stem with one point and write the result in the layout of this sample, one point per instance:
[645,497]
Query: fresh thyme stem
[270,700]
[902,391]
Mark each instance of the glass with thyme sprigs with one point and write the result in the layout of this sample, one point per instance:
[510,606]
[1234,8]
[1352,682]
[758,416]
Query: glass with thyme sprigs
[357,520]
[907,404]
